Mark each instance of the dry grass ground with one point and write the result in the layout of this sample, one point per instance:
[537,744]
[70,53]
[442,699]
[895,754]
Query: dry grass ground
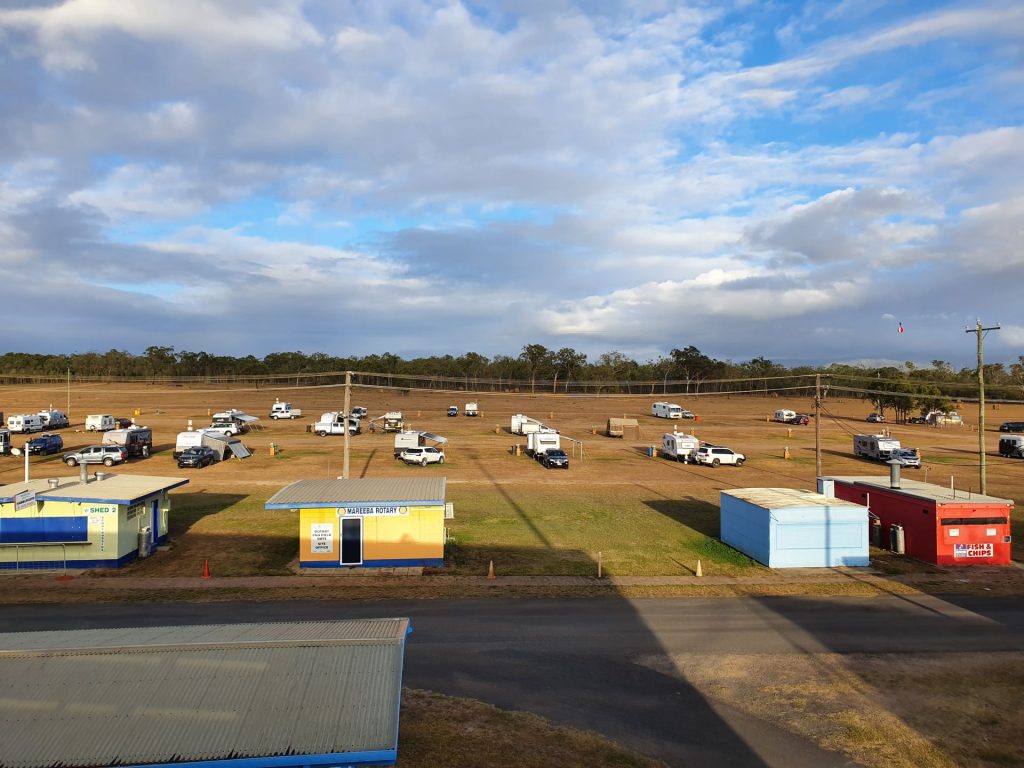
[888,711]
[646,516]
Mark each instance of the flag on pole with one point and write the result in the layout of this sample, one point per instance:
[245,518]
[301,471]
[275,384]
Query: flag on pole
[901,328]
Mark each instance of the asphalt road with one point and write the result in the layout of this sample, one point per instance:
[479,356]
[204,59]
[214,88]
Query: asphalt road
[573,661]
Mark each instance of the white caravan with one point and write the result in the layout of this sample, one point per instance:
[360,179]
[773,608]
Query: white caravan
[540,442]
[99,423]
[471,409]
[878,447]
[784,415]
[54,419]
[679,446]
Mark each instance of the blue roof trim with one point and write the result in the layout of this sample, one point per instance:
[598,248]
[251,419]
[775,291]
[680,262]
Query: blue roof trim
[98,500]
[334,760]
[352,504]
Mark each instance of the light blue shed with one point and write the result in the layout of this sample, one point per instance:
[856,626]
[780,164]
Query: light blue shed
[787,528]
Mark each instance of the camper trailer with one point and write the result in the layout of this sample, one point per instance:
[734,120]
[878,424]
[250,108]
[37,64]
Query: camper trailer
[222,445]
[25,423]
[1012,446]
[784,415]
[54,419]
[521,424]
[471,409]
[540,442]
[943,419]
[241,420]
[667,411]
[136,441]
[100,423]
[5,442]
[412,439]
[679,446]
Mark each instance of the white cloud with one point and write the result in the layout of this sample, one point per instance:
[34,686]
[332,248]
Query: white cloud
[135,190]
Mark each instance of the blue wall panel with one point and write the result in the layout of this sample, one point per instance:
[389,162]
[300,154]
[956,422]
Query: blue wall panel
[38,530]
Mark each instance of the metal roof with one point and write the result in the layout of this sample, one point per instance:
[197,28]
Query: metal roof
[782,498]
[111,489]
[336,493]
[909,487]
[151,695]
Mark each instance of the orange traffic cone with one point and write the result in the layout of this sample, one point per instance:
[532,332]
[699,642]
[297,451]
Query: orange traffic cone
[206,569]
[490,571]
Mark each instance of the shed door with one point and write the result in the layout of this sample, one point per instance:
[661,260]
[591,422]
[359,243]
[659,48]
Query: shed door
[351,540]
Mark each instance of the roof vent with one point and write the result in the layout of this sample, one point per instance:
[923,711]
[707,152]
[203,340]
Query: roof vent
[894,474]
[53,482]
[102,475]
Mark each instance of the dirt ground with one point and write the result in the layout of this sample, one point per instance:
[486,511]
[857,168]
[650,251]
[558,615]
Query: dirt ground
[480,457]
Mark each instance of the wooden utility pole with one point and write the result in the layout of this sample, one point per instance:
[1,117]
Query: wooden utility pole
[980,331]
[348,415]
[817,425]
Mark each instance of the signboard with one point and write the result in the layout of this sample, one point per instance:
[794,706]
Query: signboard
[321,538]
[371,511]
[24,500]
[100,509]
[971,551]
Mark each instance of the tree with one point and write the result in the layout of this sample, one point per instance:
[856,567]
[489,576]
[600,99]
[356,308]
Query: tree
[538,359]
[567,362]
[694,366]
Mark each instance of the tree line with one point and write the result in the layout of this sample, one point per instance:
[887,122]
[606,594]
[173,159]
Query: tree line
[684,370]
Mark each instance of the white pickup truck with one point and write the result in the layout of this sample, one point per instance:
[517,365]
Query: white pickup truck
[333,423]
[281,410]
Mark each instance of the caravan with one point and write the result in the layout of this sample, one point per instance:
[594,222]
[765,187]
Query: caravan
[539,443]
[99,423]
[406,440]
[136,441]
[54,419]
[679,446]
[224,446]
[784,416]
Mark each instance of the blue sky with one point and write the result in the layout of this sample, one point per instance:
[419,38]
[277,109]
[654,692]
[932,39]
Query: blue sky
[783,179]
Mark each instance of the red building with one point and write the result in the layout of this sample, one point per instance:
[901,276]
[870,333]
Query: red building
[942,526]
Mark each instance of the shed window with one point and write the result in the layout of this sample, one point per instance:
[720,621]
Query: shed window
[990,531]
[954,531]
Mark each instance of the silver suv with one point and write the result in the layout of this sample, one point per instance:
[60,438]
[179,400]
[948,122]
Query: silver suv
[108,455]
[715,455]
[423,455]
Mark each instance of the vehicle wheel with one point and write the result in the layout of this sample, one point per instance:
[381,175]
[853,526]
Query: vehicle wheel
[108,462]
[441,460]
[715,462]
[71,462]
[274,417]
[739,462]
[322,434]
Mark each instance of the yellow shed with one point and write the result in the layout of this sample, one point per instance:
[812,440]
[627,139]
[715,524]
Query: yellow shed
[104,520]
[367,522]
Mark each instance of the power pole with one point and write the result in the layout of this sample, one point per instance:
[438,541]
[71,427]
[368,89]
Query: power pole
[817,425]
[980,331]
[348,415]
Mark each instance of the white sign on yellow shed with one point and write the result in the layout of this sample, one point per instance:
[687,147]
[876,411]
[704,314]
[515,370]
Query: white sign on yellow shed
[367,523]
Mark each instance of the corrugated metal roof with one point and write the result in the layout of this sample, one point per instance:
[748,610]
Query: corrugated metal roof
[182,694]
[112,489]
[921,489]
[781,498]
[326,493]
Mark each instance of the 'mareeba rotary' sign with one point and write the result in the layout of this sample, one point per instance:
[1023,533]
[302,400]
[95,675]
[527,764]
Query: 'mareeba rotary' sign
[971,551]
[373,511]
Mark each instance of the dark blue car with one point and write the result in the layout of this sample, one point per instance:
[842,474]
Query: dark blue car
[45,444]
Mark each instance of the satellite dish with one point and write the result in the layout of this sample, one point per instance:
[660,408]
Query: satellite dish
[15,451]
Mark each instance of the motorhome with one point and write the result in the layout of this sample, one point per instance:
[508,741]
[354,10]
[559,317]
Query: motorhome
[679,446]
[25,423]
[413,439]
[136,441]
[784,415]
[1012,446]
[540,442]
[100,423]
[667,411]
[333,423]
[54,419]
[878,447]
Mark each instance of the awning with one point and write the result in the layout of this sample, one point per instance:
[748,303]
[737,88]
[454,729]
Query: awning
[435,438]
[239,450]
